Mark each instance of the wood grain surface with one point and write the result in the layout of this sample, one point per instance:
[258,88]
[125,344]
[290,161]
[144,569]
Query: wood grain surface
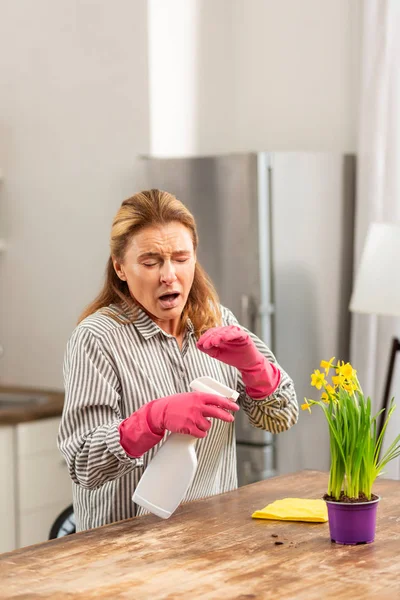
[214,549]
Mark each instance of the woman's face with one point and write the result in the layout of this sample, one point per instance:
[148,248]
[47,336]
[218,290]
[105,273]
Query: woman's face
[159,266]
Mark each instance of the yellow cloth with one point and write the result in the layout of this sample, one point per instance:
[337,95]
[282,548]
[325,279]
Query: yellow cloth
[294,509]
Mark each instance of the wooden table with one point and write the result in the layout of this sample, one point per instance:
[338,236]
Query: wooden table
[213,549]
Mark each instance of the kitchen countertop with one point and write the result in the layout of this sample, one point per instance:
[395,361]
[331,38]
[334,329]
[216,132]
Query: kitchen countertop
[213,549]
[20,414]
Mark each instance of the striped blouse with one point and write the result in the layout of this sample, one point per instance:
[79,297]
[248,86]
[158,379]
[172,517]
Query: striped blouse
[111,369]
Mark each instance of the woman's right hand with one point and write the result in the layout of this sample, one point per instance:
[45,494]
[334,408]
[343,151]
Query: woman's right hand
[187,413]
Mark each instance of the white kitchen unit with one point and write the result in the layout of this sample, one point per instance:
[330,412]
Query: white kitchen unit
[8,537]
[2,242]
[35,486]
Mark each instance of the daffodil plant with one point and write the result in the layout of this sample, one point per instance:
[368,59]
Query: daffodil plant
[355,446]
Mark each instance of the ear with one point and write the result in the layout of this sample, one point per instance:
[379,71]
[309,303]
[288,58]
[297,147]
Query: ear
[119,269]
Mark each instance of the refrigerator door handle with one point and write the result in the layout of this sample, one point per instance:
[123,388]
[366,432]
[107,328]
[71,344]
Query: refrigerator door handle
[249,312]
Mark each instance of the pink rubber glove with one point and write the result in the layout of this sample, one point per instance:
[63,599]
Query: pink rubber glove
[235,347]
[181,413]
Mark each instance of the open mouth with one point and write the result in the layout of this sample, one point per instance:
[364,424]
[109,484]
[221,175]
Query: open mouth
[169,300]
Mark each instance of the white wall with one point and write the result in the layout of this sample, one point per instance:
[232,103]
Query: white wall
[73,114]
[257,74]
[298,71]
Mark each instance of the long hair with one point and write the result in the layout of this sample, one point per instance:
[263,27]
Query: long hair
[144,209]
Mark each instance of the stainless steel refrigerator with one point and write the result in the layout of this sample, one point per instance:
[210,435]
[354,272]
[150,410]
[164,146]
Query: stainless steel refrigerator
[276,237]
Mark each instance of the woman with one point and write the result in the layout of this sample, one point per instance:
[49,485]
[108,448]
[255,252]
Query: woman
[155,327]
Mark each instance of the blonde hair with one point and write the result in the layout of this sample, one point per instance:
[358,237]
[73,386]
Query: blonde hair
[144,209]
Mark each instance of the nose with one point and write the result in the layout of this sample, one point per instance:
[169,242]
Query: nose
[167,273]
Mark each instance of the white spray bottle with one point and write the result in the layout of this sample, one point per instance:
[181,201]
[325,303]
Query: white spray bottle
[169,475]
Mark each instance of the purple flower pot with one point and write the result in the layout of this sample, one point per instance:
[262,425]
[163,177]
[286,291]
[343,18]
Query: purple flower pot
[352,523]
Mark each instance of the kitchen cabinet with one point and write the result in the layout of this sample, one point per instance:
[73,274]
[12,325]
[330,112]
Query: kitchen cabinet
[36,486]
[8,539]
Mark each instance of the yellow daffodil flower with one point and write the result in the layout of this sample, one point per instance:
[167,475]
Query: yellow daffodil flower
[349,387]
[346,371]
[329,394]
[325,398]
[306,405]
[327,364]
[338,380]
[318,379]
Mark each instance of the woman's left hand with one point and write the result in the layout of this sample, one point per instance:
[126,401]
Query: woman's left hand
[231,345]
